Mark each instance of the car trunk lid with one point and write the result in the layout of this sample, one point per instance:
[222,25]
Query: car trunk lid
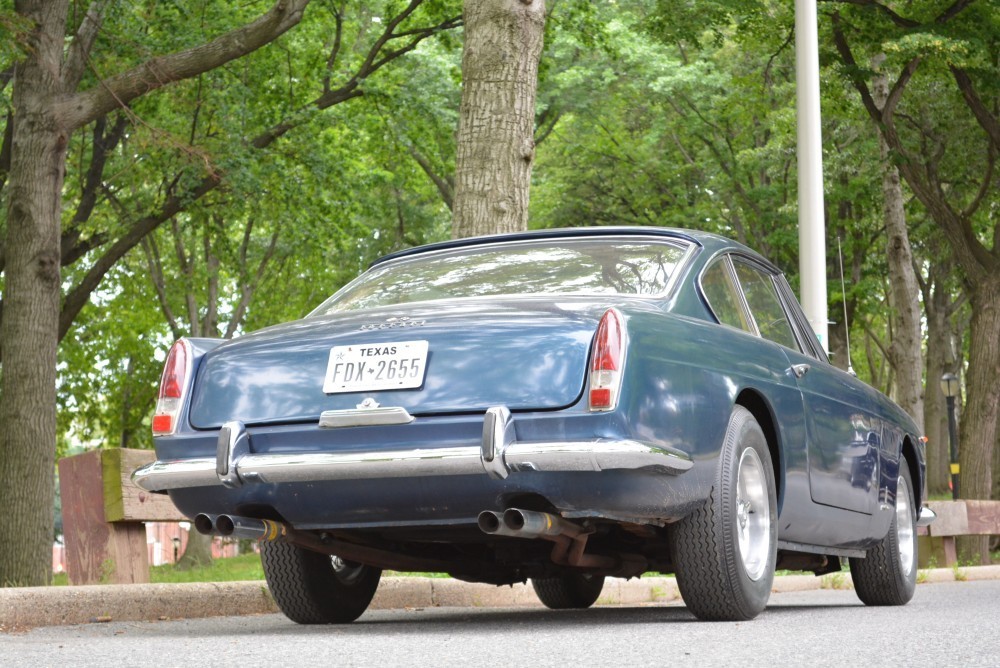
[527,354]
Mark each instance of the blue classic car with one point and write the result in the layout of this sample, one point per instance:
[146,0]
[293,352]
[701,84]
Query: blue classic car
[558,406]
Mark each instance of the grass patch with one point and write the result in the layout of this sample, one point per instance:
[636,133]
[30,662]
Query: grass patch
[834,581]
[230,569]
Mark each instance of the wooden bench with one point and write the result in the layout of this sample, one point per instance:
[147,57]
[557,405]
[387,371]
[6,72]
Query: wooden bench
[965,517]
[103,515]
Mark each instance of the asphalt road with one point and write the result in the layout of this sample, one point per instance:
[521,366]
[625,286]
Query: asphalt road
[947,624]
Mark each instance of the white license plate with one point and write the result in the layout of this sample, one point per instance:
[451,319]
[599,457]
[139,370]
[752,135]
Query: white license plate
[368,367]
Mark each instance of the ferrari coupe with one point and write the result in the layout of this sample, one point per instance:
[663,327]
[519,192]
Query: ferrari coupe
[555,406]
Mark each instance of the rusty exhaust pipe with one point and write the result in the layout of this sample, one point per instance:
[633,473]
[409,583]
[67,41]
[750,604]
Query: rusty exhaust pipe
[270,531]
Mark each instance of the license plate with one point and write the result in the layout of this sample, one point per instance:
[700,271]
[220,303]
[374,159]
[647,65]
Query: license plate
[368,367]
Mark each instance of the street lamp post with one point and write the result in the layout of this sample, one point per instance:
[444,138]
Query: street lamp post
[949,387]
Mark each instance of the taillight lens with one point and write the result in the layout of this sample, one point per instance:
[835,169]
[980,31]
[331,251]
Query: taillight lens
[607,361]
[173,384]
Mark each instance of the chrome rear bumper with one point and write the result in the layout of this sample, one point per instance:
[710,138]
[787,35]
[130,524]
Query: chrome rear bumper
[497,456]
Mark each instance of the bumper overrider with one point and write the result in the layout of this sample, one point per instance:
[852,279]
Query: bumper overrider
[498,456]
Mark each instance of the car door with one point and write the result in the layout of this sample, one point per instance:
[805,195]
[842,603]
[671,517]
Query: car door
[843,434]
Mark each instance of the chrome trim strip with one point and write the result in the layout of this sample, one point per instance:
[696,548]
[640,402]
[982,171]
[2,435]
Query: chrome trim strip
[520,458]
[926,517]
[364,417]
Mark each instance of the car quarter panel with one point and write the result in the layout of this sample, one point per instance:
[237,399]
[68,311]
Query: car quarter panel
[693,373]
[690,375]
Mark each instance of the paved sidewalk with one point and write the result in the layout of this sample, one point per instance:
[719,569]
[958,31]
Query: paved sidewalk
[28,607]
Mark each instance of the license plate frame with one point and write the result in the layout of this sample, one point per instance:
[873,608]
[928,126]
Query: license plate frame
[372,367]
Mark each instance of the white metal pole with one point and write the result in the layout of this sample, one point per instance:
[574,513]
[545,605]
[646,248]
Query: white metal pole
[812,226]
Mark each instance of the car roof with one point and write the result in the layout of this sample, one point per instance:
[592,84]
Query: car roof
[712,243]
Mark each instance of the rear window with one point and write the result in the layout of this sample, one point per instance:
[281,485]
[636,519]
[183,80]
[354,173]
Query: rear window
[562,266]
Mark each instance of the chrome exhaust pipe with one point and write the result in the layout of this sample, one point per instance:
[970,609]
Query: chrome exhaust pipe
[238,527]
[249,527]
[526,524]
[205,524]
[569,539]
[489,522]
[533,524]
[492,523]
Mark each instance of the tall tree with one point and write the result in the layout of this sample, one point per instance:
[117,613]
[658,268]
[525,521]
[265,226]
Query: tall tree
[946,51]
[332,188]
[49,107]
[495,145]
[238,119]
[905,313]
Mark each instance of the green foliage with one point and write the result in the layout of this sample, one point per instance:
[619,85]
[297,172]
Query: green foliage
[14,30]
[649,112]
[684,136]
[109,367]
[295,218]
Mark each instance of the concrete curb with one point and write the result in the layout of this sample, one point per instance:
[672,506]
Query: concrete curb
[28,607]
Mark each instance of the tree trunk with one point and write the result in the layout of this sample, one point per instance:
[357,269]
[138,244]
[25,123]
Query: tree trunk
[979,418]
[31,304]
[48,109]
[996,477]
[944,348]
[939,361]
[980,266]
[495,145]
[905,315]
[197,552]
[904,292]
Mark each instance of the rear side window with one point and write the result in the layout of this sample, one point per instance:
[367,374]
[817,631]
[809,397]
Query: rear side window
[765,305]
[723,296]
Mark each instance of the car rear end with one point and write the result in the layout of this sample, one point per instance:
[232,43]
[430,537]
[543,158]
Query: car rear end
[422,421]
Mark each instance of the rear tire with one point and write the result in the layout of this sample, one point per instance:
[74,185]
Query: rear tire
[573,591]
[314,588]
[724,552]
[888,574]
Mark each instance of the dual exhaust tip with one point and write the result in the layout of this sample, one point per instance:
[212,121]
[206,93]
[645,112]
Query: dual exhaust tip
[525,524]
[238,527]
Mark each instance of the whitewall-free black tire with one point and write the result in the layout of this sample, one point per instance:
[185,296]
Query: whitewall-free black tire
[314,588]
[888,574]
[724,552]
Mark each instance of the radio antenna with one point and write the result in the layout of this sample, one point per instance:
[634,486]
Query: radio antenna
[843,293]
